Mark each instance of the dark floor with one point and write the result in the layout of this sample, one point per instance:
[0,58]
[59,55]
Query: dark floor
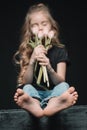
[74,118]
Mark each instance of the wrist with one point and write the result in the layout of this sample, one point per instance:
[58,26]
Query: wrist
[31,61]
[50,69]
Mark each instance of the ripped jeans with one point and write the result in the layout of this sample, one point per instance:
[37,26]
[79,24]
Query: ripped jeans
[44,96]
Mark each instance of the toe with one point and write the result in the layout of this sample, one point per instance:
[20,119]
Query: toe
[71,90]
[20,91]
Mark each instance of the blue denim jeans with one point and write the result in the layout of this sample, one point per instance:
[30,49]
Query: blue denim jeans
[44,96]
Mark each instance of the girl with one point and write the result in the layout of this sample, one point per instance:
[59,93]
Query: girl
[42,99]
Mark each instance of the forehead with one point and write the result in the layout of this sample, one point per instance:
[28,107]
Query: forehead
[39,16]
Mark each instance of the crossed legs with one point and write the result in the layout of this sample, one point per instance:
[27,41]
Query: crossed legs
[55,104]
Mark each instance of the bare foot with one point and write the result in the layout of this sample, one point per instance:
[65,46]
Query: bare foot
[64,101]
[28,103]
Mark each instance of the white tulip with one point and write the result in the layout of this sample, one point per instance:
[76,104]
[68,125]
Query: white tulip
[46,32]
[40,35]
[51,34]
[35,30]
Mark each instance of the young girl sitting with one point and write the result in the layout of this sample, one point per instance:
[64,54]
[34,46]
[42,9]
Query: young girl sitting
[43,60]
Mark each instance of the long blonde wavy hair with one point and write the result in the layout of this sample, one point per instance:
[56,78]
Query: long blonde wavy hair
[23,54]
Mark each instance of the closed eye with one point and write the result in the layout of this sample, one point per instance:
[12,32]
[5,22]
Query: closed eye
[44,23]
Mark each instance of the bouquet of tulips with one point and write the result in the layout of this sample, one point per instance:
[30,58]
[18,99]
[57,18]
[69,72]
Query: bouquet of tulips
[47,44]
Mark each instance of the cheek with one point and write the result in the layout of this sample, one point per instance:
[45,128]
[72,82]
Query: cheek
[48,27]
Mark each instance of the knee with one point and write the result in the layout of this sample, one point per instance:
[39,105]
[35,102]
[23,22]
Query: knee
[27,87]
[64,84]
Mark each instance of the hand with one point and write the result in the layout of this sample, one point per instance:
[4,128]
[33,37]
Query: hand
[43,60]
[38,50]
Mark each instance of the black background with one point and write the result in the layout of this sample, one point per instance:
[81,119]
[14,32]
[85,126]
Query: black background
[72,18]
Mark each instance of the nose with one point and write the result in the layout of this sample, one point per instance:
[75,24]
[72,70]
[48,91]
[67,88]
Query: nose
[40,27]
